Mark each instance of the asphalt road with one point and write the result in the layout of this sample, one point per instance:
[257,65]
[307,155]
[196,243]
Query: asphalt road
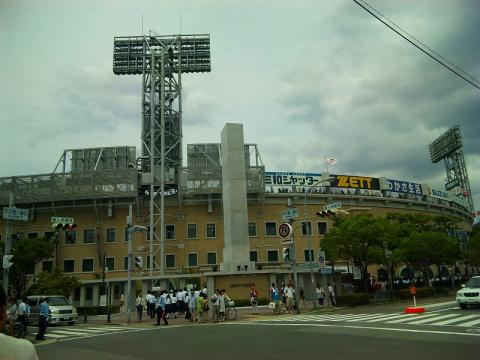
[269,340]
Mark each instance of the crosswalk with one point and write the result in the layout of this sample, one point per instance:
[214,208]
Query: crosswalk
[76,332]
[435,319]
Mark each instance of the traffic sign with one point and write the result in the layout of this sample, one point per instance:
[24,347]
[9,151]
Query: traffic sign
[308,266]
[287,241]
[13,213]
[321,258]
[62,220]
[285,230]
[290,213]
[7,261]
[332,206]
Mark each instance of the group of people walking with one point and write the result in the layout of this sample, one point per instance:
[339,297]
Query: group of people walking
[325,297]
[194,305]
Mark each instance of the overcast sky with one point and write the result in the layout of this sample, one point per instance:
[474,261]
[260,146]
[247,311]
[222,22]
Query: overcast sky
[308,79]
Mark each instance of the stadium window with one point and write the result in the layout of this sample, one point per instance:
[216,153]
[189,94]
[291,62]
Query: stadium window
[125,263]
[170,260]
[87,265]
[272,255]
[111,234]
[192,260]
[252,229]
[89,236]
[47,266]
[322,228]
[270,228]
[148,261]
[68,266]
[308,254]
[49,235]
[191,231]
[70,237]
[306,228]
[253,256]
[211,258]
[211,230]
[170,232]
[110,263]
[32,235]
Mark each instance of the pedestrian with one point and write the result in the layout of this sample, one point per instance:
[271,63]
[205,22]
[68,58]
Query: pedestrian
[254,299]
[221,305]
[139,306]
[331,294]
[168,304]
[22,315]
[181,301]
[122,303]
[275,298]
[174,305]
[161,308]
[12,316]
[216,305]
[200,308]
[10,347]
[150,300]
[289,295]
[42,319]
[301,294]
[192,305]
[320,294]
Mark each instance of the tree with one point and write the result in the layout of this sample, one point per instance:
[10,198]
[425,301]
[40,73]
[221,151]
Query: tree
[472,254]
[26,253]
[55,283]
[358,239]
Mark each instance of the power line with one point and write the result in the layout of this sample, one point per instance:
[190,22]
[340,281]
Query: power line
[453,68]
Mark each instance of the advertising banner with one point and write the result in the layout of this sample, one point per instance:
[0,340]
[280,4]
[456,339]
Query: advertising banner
[356,182]
[403,187]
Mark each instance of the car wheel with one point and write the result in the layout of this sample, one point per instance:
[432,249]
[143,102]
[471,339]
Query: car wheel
[463,306]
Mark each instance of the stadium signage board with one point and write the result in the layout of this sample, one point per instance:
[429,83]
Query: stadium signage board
[403,187]
[356,182]
[288,179]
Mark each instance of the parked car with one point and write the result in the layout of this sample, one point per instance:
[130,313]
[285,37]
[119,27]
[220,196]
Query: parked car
[469,294]
[61,309]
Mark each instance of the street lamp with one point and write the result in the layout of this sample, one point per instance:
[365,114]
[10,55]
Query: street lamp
[309,234]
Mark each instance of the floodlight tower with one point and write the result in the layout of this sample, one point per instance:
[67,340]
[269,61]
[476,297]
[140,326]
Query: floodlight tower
[448,147]
[161,60]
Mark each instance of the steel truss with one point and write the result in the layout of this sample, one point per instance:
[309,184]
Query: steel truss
[161,60]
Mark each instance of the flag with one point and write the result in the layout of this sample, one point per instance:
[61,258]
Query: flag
[331,160]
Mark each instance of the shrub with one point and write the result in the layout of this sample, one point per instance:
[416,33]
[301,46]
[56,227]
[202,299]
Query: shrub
[97,310]
[353,300]
[246,302]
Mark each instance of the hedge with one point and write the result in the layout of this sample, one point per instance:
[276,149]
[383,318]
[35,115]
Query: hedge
[426,292]
[353,300]
[97,310]
[246,302]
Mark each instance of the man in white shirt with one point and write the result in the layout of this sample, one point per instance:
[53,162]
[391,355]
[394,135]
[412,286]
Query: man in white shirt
[10,347]
[22,314]
[289,293]
[150,299]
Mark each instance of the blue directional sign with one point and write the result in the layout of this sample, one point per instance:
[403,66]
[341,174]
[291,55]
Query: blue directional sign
[13,213]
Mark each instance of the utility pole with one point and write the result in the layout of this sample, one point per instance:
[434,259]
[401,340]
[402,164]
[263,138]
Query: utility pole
[294,263]
[8,245]
[129,282]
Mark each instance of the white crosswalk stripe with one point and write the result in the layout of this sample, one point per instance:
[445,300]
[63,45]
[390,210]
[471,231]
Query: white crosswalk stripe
[62,333]
[434,319]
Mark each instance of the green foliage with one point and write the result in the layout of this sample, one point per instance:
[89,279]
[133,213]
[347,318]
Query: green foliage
[246,302]
[27,252]
[472,255]
[353,300]
[358,239]
[425,292]
[55,283]
[97,310]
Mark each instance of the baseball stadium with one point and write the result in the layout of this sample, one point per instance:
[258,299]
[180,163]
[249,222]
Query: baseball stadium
[214,219]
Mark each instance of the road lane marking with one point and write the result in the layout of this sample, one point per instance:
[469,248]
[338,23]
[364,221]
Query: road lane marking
[362,328]
[410,317]
[456,320]
[435,318]
[471,323]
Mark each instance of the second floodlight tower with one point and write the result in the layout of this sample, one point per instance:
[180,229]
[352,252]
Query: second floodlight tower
[161,60]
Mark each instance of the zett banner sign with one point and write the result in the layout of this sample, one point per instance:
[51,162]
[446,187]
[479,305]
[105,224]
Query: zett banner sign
[356,182]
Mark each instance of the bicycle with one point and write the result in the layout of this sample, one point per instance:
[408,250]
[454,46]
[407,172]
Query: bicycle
[230,310]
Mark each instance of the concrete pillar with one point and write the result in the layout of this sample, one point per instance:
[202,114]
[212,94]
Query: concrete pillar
[96,295]
[236,249]
[82,296]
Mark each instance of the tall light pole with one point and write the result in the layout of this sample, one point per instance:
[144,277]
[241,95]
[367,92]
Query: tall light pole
[309,234]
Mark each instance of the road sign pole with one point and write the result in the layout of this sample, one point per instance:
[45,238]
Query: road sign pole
[8,245]
[129,281]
